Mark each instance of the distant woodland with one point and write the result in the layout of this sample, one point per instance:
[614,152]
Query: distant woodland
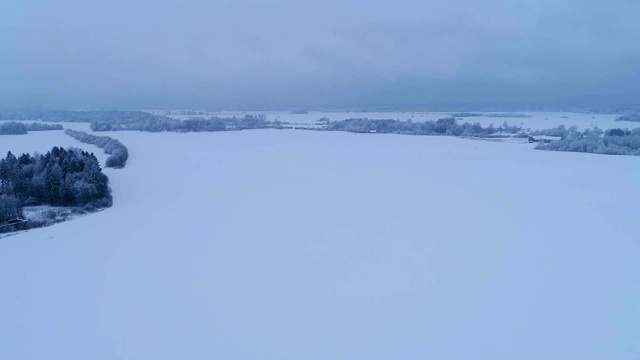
[596,141]
[143,121]
[75,116]
[447,126]
[613,141]
[630,116]
[159,124]
[18,128]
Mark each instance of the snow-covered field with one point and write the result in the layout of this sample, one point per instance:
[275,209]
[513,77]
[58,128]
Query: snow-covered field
[534,121]
[274,244]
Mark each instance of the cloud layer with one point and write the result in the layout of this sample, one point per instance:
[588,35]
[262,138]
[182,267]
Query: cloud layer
[82,54]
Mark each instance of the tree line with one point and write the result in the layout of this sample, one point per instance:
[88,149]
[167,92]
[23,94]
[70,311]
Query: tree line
[117,151]
[43,127]
[558,131]
[201,124]
[18,128]
[60,178]
[629,116]
[491,115]
[143,121]
[596,141]
[12,128]
[446,126]
[75,116]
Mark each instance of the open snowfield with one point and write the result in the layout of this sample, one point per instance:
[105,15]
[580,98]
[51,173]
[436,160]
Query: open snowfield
[534,121]
[274,244]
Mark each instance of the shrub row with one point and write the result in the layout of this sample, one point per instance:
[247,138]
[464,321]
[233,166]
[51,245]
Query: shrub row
[119,153]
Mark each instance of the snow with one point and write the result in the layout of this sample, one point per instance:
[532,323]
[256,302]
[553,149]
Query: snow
[312,245]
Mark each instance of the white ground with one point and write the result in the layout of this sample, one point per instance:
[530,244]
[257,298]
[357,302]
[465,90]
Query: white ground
[309,245]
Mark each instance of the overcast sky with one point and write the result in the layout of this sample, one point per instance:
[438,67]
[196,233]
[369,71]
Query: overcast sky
[168,54]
